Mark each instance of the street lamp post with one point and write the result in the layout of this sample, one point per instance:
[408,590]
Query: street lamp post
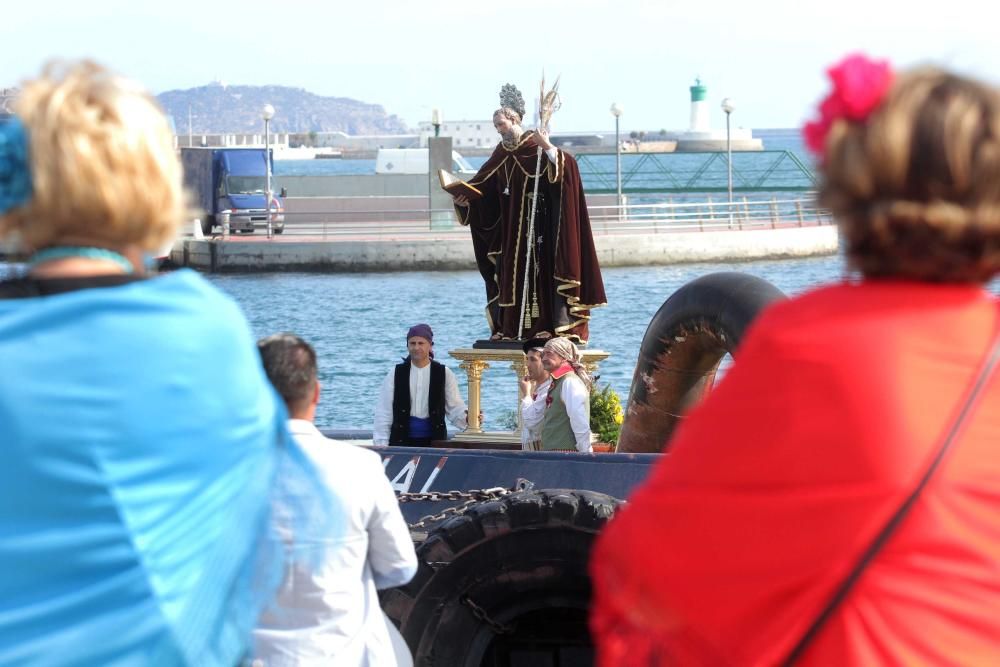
[616,111]
[729,107]
[436,121]
[267,113]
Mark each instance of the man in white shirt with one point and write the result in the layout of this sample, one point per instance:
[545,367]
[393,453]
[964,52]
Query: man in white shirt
[534,389]
[416,397]
[327,611]
[566,424]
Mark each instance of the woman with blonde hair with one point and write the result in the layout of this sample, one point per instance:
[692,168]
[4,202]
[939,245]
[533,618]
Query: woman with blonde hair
[836,500]
[141,440]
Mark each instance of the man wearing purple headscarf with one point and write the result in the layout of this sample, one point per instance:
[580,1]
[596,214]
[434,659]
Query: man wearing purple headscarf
[417,395]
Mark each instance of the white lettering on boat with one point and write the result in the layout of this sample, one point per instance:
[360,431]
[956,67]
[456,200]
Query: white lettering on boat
[434,474]
[403,479]
[407,475]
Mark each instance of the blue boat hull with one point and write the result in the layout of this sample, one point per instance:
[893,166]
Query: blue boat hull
[427,469]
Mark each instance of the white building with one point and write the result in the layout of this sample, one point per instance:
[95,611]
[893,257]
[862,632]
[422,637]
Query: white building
[463,133]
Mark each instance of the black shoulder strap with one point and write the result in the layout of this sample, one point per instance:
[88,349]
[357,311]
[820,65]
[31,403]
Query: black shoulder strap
[968,405]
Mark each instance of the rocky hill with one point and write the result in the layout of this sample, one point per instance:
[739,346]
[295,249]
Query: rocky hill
[218,108]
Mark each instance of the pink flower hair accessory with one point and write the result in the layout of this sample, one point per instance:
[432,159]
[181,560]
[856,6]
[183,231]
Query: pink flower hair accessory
[859,86]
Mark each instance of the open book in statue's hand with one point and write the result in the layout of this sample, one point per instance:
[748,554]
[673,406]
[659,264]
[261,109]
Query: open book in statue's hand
[455,186]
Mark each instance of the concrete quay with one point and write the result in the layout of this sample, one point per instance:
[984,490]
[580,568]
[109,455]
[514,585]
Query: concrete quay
[452,250]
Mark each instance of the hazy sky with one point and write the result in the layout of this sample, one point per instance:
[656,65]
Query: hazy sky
[767,55]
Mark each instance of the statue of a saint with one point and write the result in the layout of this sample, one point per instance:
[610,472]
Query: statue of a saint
[531,234]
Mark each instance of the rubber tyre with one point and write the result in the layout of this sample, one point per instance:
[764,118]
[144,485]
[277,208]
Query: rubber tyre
[522,554]
[680,354]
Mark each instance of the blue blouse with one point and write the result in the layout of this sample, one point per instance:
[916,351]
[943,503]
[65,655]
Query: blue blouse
[140,443]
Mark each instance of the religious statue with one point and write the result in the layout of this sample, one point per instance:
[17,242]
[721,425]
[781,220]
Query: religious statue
[531,231]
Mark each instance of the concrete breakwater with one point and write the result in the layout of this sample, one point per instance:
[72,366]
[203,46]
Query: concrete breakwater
[452,250]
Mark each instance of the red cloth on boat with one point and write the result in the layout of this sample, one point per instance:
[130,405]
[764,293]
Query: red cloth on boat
[778,482]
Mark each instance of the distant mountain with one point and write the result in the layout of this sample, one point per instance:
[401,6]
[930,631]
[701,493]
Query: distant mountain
[218,108]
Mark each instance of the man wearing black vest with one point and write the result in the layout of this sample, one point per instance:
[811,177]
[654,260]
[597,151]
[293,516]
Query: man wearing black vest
[416,397]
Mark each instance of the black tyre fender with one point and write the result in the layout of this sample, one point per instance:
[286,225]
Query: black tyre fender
[686,340]
[517,558]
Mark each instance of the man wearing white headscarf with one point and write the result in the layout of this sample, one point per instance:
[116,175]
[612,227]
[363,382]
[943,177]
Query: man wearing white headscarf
[566,425]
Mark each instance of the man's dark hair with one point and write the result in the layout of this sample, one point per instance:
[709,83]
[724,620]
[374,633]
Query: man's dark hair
[290,364]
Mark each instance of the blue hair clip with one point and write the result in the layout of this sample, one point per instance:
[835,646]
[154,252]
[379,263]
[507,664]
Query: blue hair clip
[15,170]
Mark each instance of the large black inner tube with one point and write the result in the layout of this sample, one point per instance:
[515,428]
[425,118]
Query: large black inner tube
[505,583]
[685,342]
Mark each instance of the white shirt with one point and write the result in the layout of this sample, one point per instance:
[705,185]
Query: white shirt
[420,381]
[532,413]
[330,615]
[576,397]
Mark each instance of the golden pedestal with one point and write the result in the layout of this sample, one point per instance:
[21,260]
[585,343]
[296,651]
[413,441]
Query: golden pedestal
[475,361]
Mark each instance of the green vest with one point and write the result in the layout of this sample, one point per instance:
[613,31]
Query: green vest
[557,433]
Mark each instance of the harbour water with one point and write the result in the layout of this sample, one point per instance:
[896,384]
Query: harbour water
[358,322]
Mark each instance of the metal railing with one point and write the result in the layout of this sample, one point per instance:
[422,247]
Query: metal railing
[696,172]
[708,215]
[641,218]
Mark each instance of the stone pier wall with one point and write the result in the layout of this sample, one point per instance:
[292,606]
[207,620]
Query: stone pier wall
[453,251]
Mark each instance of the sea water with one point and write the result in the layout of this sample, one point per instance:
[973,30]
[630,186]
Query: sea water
[358,323]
